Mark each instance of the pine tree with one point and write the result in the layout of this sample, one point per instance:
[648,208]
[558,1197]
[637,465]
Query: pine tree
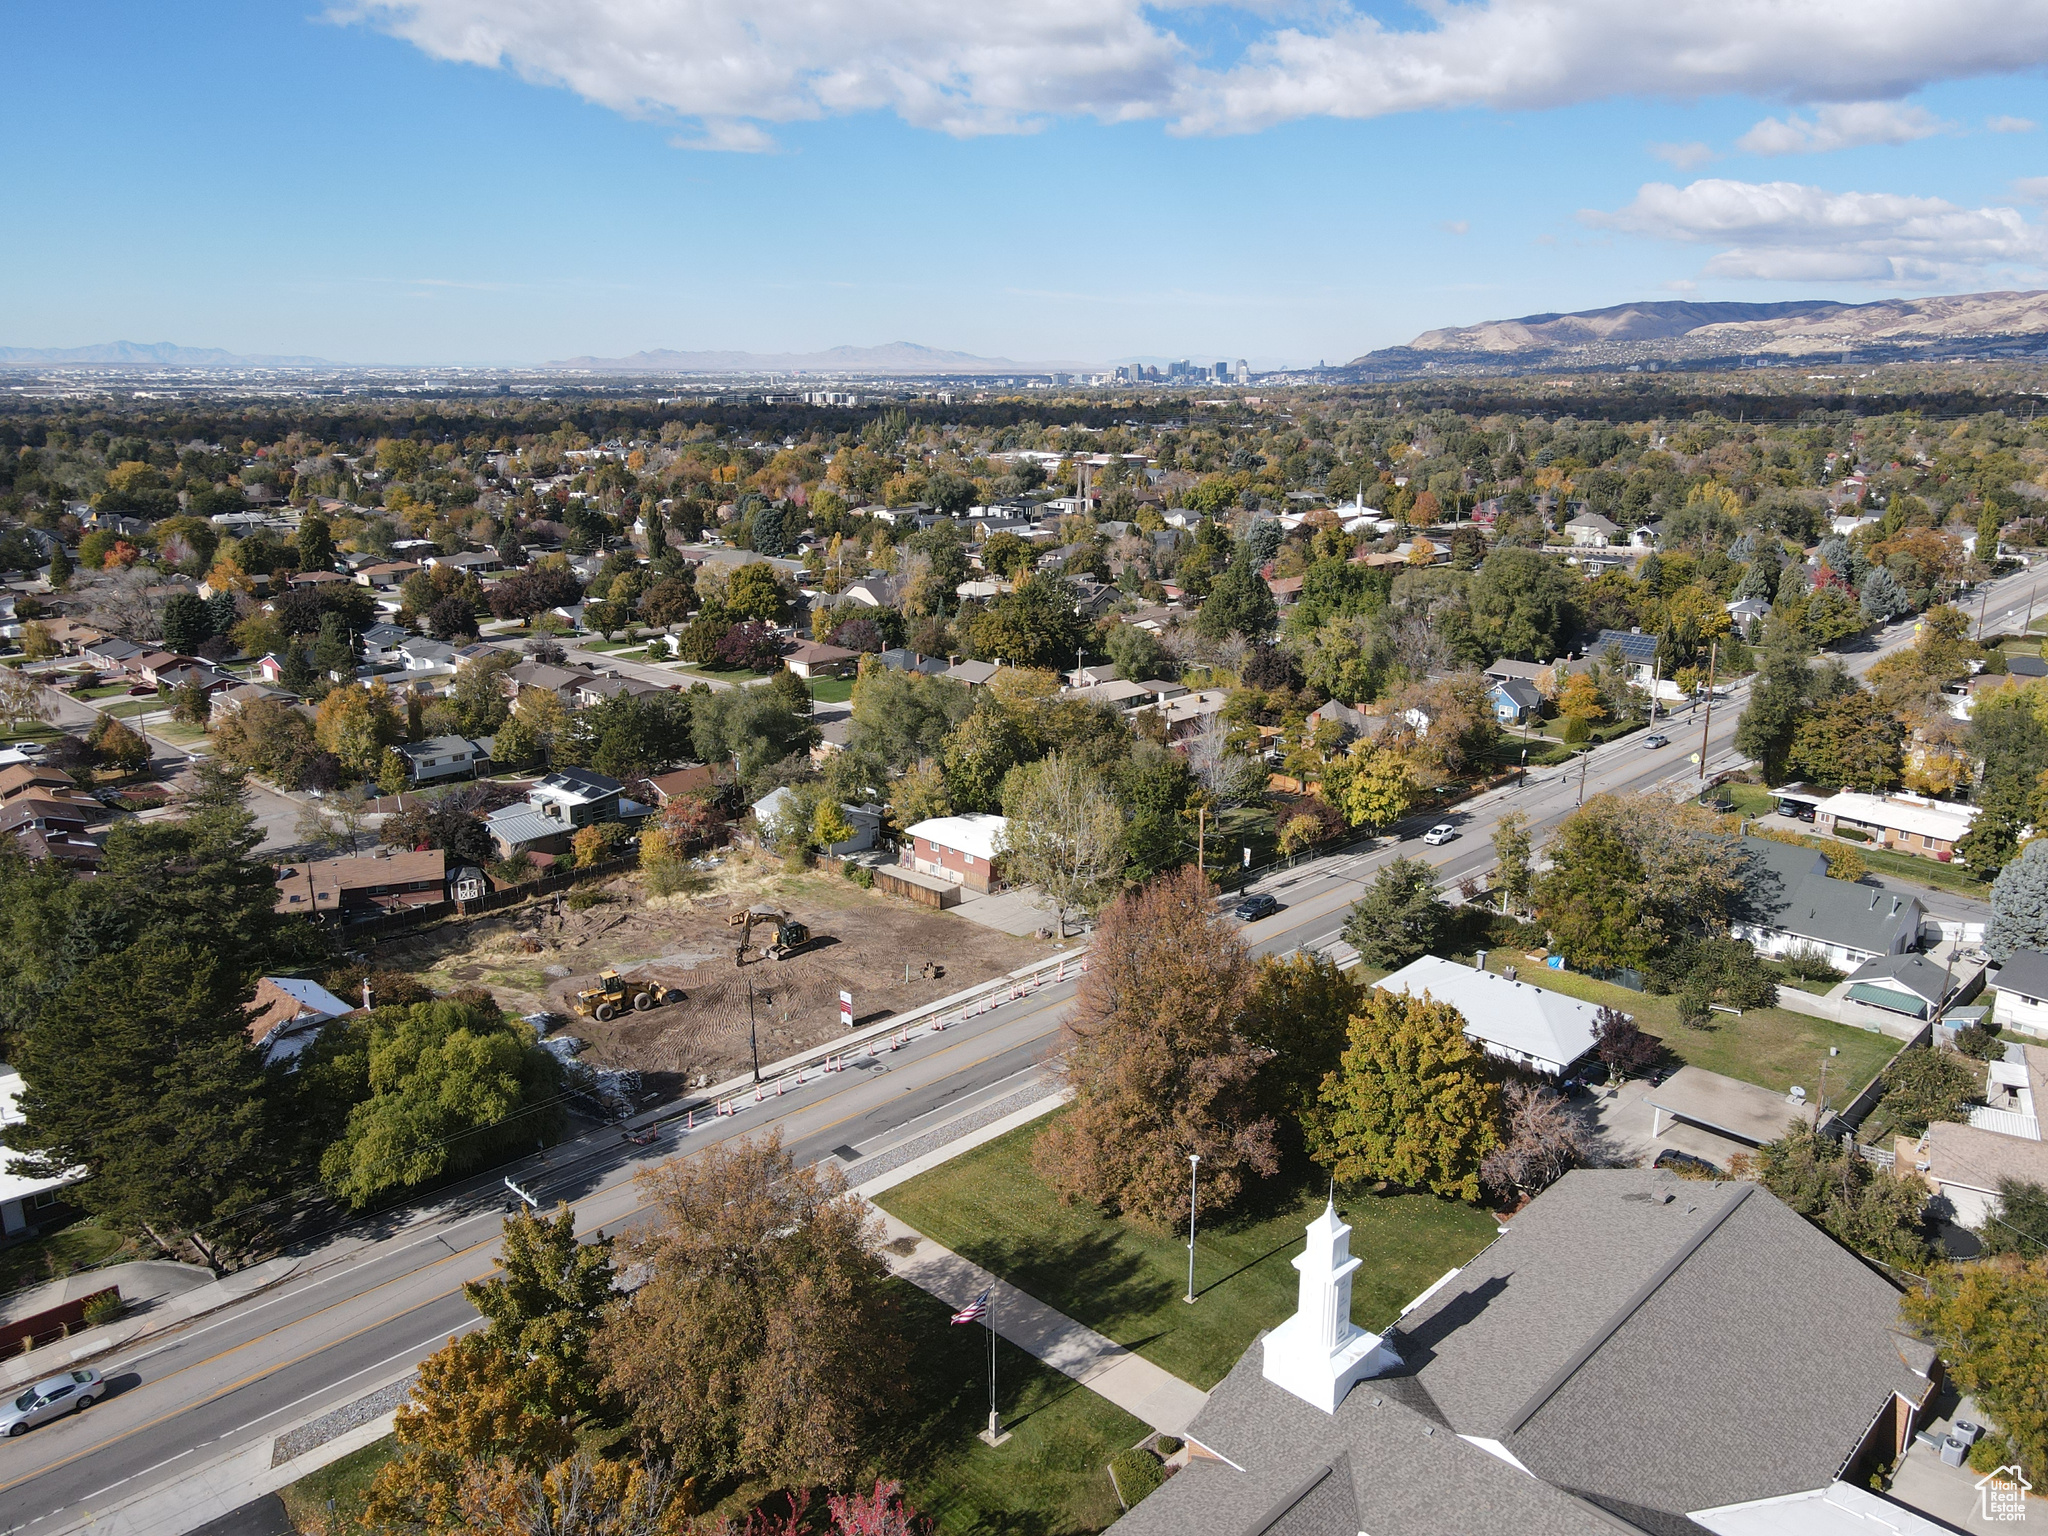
[1399,917]
[60,566]
[141,1074]
[2019,902]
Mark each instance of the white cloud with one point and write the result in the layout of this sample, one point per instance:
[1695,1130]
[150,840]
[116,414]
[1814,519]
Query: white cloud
[1456,226]
[1684,157]
[1844,125]
[1785,231]
[2031,189]
[971,69]
[2011,124]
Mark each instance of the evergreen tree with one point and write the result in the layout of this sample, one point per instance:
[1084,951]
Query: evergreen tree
[1399,917]
[1240,603]
[2019,900]
[1883,599]
[186,623]
[60,566]
[316,544]
[1777,701]
[294,673]
[334,648]
[142,1075]
[220,613]
[1994,836]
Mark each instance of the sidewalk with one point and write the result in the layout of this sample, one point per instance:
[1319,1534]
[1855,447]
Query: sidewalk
[166,1306]
[1101,1365]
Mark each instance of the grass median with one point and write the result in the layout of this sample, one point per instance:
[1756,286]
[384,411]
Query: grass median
[1127,1284]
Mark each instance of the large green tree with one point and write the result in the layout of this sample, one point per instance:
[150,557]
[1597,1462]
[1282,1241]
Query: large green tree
[1240,603]
[543,1306]
[1399,917]
[1524,604]
[1034,626]
[1413,1100]
[1063,833]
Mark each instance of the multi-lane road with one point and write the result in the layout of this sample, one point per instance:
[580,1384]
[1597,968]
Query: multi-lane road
[368,1302]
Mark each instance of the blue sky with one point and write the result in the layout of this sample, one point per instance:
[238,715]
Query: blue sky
[522,180]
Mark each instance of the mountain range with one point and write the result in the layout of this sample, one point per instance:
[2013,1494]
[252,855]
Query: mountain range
[1684,331]
[145,354]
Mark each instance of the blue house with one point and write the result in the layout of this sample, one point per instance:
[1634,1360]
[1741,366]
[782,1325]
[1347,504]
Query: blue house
[1514,700]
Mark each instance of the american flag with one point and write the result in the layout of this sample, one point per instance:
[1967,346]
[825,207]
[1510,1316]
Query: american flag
[974,1311]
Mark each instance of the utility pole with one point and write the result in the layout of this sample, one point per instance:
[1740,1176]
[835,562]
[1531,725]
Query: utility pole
[1713,655]
[753,1040]
[1194,1167]
[1201,837]
[1582,772]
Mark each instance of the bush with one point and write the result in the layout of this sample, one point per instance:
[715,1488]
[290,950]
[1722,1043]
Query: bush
[859,874]
[1810,965]
[1137,1473]
[1981,1041]
[104,1308]
[1852,834]
[1922,1085]
[1576,731]
[1169,1445]
[516,870]
[585,897]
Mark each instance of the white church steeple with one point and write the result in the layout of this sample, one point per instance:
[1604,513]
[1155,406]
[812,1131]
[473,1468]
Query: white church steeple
[1318,1353]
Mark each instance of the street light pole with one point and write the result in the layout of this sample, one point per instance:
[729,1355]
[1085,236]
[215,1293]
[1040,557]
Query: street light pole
[1194,1166]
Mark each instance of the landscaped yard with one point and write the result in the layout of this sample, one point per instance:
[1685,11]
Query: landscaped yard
[82,1245]
[831,690]
[990,1206]
[1748,799]
[1771,1047]
[738,677]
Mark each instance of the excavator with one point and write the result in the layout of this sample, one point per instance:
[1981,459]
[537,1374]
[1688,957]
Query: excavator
[790,934]
[613,995]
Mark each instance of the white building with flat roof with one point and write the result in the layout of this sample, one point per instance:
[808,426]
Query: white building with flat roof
[1517,1021]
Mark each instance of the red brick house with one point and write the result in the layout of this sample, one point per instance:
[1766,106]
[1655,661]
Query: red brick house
[962,849]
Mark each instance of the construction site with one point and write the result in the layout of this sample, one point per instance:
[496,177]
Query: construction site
[682,995]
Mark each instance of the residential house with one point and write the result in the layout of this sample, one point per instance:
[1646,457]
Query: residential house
[697,780]
[110,653]
[577,797]
[1543,1386]
[596,687]
[301,579]
[1646,536]
[2026,668]
[1589,530]
[525,828]
[2022,998]
[899,659]
[972,673]
[1903,823]
[1534,672]
[381,642]
[876,591]
[385,575]
[1352,722]
[444,757]
[287,1013]
[230,701]
[1638,653]
[1745,611]
[26,1199]
[560,681]
[75,851]
[1795,906]
[476,562]
[1088,677]
[31,779]
[1515,701]
[1966,1163]
[1516,1021]
[207,679]
[961,849]
[424,656]
[363,887]
[1114,695]
[39,812]
[866,821]
[812,658]
[1187,713]
[1907,983]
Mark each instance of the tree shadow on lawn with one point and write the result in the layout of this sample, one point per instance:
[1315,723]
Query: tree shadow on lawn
[1117,1282]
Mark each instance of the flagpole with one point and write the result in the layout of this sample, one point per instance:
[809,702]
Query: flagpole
[995,1424]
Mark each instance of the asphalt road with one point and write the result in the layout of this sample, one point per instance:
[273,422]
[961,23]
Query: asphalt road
[385,1294]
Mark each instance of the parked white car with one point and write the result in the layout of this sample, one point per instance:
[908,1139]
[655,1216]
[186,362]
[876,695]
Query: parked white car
[1439,834]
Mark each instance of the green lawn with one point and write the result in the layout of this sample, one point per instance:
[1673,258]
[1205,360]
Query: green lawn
[181,733]
[1913,870]
[1771,1047]
[741,675]
[329,1501]
[1128,1284]
[130,708]
[1749,799]
[104,691]
[831,690]
[81,1245]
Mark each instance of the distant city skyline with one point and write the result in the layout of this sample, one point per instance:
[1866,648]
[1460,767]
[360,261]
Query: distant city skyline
[457,182]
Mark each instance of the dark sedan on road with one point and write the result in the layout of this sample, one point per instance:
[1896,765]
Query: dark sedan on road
[1252,908]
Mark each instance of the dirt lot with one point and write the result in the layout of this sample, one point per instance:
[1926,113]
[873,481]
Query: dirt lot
[535,960]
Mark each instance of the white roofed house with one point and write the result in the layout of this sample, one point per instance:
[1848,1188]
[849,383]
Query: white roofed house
[288,1012]
[443,757]
[26,1199]
[1589,530]
[1516,1021]
[959,849]
[1904,823]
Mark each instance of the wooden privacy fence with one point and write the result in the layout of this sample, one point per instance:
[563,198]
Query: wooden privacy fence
[46,1327]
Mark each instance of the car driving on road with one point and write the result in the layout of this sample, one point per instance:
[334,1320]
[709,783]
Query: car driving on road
[51,1398]
[1439,834]
[1252,908]
[1656,741]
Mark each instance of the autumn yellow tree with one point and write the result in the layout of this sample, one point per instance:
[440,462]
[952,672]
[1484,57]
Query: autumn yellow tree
[357,724]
